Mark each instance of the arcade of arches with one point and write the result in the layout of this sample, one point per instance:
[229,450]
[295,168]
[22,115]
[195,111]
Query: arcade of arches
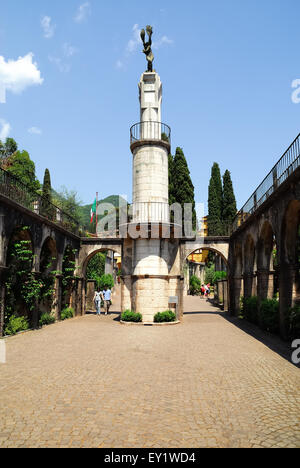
[264,258]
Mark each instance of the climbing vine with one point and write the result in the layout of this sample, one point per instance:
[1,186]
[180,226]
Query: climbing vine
[24,289]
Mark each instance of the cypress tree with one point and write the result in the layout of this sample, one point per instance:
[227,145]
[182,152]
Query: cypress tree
[47,209]
[171,181]
[229,202]
[215,202]
[182,184]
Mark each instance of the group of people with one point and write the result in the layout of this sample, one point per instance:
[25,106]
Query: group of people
[205,290]
[102,297]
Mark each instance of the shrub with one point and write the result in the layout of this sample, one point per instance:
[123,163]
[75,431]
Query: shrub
[269,314]
[67,313]
[195,286]
[16,325]
[167,316]
[219,275]
[250,309]
[295,322]
[106,281]
[46,319]
[130,316]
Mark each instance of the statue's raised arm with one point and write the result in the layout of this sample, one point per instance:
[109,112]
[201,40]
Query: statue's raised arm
[147,47]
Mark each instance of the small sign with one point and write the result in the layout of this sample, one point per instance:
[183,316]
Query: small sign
[173,300]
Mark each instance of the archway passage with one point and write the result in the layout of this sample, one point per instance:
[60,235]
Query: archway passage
[20,281]
[205,272]
[100,269]
[289,287]
[47,268]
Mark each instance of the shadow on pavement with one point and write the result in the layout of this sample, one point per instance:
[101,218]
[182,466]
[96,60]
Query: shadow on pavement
[273,342]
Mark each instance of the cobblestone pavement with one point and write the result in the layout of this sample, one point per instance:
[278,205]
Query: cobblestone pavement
[90,382]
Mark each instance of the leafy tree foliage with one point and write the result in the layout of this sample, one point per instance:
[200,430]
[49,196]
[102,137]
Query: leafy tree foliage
[96,267]
[171,180]
[21,166]
[47,208]
[229,202]
[215,202]
[67,200]
[183,185]
[8,148]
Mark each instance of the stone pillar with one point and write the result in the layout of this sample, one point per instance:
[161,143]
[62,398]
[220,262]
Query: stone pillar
[287,294]
[226,302]
[265,287]
[235,294]
[248,284]
[57,297]
[2,298]
[126,286]
[90,292]
[80,294]
[150,156]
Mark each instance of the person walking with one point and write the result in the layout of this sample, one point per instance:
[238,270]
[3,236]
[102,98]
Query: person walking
[107,299]
[98,297]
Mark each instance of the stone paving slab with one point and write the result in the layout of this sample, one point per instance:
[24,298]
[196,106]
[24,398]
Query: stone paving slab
[89,382]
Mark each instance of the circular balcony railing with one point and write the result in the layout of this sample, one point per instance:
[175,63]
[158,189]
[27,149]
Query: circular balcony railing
[150,131]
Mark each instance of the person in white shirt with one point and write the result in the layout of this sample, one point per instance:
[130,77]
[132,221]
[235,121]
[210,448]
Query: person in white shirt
[98,298]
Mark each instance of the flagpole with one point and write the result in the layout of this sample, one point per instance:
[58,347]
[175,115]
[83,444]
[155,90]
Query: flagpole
[96,211]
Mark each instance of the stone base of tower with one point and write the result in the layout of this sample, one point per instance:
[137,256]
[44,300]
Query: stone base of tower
[150,294]
[152,277]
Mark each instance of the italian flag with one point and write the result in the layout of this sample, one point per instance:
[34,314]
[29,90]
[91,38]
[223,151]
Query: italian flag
[93,210]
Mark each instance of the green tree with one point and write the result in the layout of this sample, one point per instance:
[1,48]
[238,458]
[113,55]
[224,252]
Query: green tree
[68,202]
[215,202]
[229,203]
[21,166]
[8,148]
[171,180]
[47,208]
[182,183]
[96,268]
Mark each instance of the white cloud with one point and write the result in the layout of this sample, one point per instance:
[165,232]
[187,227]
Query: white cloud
[35,131]
[5,129]
[164,40]
[119,64]
[61,65]
[135,41]
[69,50]
[83,12]
[48,28]
[17,75]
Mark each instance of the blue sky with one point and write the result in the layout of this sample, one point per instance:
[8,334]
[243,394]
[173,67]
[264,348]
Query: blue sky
[227,68]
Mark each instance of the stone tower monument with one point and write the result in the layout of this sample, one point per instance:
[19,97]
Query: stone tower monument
[149,254]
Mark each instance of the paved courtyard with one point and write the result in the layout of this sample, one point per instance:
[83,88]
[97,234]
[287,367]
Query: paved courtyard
[90,382]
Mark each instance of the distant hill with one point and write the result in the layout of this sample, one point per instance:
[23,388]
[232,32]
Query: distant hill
[85,210]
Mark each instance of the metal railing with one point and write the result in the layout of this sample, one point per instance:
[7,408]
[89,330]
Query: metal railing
[150,131]
[12,188]
[286,165]
[148,212]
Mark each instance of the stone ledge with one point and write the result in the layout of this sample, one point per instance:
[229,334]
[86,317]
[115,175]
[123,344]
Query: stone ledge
[150,324]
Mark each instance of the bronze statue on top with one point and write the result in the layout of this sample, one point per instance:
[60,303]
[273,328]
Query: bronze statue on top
[147,47]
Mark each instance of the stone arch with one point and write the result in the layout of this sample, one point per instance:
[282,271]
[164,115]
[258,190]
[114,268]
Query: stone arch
[48,256]
[289,287]
[68,263]
[290,234]
[265,270]
[19,233]
[235,276]
[248,266]
[208,247]
[88,250]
